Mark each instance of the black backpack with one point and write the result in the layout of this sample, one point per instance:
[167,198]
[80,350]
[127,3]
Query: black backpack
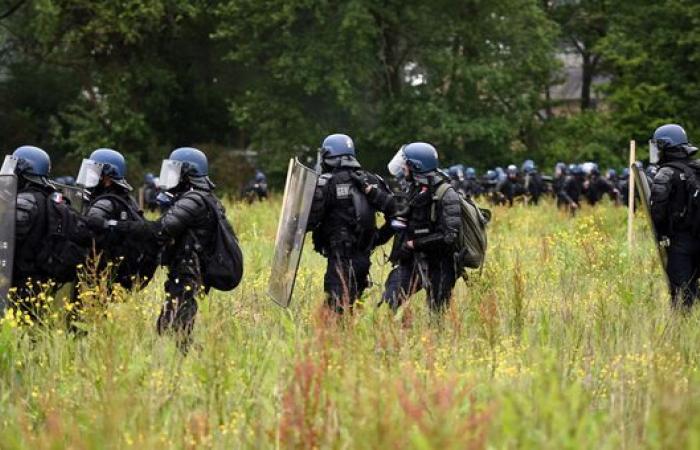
[141,257]
[65,239]
[691,215]
[222,264]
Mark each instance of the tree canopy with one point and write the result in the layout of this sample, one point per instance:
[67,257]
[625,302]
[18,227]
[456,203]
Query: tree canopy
[273,77]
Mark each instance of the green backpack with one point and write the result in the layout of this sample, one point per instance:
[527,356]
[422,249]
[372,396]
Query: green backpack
[472,241]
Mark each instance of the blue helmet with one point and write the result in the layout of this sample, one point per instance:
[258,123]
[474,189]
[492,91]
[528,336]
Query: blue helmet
[491,175]
[149,178]
[421,157]
[260,176]
[32,161]
[113,165]
[577,170]
[670,136]
[512,169]
[611,173]
[470,173]
[194,161]
[456,171]
[669,139]
[113,162]
[560,169]
[529,166]
[625,173]
[337,145]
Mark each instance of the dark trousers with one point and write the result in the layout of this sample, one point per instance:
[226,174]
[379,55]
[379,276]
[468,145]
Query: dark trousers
[346,279]
[683,268]
[435,275]
[180,307]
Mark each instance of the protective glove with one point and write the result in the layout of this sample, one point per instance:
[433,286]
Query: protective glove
[96,223]
[364,181]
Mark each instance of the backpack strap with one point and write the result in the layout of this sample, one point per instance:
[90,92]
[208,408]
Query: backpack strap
[437,198]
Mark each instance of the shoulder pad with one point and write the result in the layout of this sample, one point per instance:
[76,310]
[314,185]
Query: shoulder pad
[664,175]
[324,179]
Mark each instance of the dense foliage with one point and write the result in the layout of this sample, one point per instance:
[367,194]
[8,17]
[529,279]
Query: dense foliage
[474,77]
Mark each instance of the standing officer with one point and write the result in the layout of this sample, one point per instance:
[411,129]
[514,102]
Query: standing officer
[122,236]
[343,220]
[50,238]
[424,252]
[187,230]
[572,188]
[674,209]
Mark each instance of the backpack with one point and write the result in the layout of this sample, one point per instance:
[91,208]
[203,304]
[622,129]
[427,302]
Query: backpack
[140,258]
[692,186]
[472,241]
[65,239]
[222,265]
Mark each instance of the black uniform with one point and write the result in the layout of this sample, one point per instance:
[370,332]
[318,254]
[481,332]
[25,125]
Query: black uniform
[672,220]
[344,228]
[570,192]
[44,249]
[510,188]
[122,236]
[597,187]
[534,186]
[187,229]
[433,226]
[150,194]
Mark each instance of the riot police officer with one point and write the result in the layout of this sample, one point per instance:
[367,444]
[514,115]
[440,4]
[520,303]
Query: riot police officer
[343,222]
[533,185]
[512,186]
[186,230]
[122,236]
[50,238]
[571,190]
[149,192]
[673,211]
[472,187]
[256,188]
[424,249]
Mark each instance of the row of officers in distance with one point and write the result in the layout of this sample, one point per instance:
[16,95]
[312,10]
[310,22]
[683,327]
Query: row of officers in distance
[570,184]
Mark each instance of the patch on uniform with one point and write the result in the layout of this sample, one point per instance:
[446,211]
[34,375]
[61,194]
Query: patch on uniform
[57,197]
[123,216]
[342,190]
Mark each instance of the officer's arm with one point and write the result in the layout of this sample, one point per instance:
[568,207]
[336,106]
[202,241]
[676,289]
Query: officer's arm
[381,198]
[661,191]
[451,221]
[182,215]
[318,205]
[26,213]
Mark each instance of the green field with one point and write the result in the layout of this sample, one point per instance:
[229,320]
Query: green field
[565,341]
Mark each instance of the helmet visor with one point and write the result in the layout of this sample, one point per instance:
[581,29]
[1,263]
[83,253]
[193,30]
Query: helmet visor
[170,174]
[654,154]
[9,165]
[90,174]
[397,163]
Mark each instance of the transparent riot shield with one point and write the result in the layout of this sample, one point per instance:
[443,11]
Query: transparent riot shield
[296,206]
[641,183]
[8,200]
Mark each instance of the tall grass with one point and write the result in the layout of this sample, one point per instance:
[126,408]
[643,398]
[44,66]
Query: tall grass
[565,341]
